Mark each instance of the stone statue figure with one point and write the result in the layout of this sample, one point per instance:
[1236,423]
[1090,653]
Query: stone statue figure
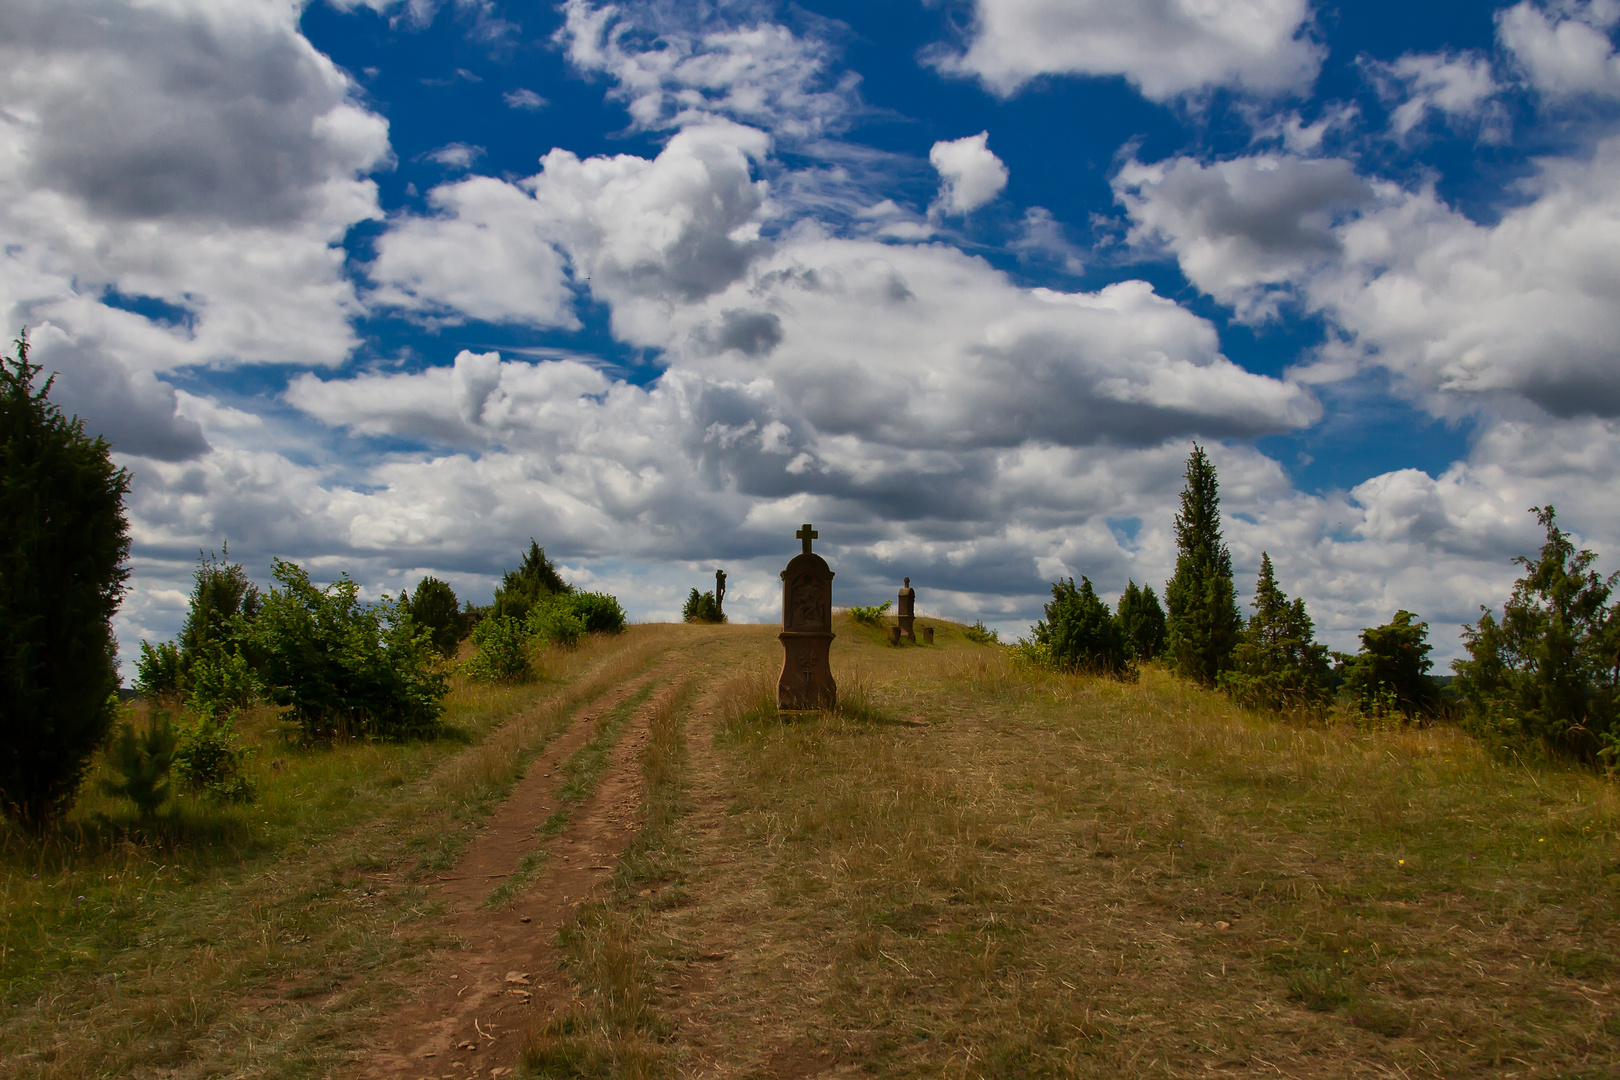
[720,591]
[907,611]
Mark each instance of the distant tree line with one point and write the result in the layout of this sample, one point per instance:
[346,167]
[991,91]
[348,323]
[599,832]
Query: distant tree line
[1545,672]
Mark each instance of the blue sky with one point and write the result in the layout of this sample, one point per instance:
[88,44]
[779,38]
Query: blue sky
[390,286]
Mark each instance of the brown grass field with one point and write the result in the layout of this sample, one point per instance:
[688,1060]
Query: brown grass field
[969,870]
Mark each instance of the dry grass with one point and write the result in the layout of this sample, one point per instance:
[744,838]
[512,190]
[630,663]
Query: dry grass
[993,872]
[968,870]
[263,939]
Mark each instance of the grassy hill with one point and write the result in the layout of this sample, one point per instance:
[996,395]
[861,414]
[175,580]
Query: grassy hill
[968,870]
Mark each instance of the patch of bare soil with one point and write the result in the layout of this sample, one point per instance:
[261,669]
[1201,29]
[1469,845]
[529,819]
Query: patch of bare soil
[468,1018]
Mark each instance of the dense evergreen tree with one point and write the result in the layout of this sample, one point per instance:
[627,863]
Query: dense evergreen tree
[1079,633]
[523,588]
[433,607]
[1549,669]
[1202,626]
[1277,664]
[702,608]
[63,541]
[1142,620]
[1392,668]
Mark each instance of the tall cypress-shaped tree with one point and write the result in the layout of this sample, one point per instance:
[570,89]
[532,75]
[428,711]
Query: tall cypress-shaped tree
[1203,623]
[63,539]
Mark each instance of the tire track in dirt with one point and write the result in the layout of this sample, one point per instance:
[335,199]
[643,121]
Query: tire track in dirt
[469,1018]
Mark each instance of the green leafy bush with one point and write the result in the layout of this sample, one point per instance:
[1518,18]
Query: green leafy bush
[870,616]
[343,667]
[433,607]
[1277,664]
[702,608]
[63,540]
[221,681]
[141,762]
[600,612]
[1391,672]
[501,645]
[1079,633]
[1142,620]
[1549,669]
[209,760]
[157,671]
[553,622]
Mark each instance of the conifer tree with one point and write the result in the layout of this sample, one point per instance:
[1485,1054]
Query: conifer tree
[1392,668]
[1549,668]
[63,540]
[1079,633]
[1142,620]
[1277,664]
[1201,628]
[523,588]
[434,607]
[220,592]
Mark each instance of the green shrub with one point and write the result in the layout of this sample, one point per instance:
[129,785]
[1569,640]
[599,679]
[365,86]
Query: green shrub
[871,616]
[157,671]
[1142,620]
[343,667]
[63,540]
[141,762]
[1277,664]
[209,761]
[1079,633]
[702,608]
[221,681]
[531,582]
[502,651]
[552,621]
[600,612]
[981,634]
[433,607]
[1390,673]
[1547,670]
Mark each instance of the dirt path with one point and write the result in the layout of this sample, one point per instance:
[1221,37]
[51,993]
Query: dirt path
[469,1019]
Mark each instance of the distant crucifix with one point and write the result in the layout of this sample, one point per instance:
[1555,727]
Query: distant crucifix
[807,534]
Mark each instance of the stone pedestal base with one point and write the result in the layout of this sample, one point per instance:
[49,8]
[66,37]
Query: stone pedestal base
[928,635]
[908,627]
[806,681]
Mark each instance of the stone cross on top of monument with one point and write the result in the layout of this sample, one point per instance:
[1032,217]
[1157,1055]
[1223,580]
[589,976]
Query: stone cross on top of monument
[806,681]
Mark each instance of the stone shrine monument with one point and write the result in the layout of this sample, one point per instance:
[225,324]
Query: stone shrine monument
[806,681]
[907,611]
[720,593]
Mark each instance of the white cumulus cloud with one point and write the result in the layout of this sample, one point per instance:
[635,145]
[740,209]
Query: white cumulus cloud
[970,174]
[1165,49]
[174,180]
[1565,50]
